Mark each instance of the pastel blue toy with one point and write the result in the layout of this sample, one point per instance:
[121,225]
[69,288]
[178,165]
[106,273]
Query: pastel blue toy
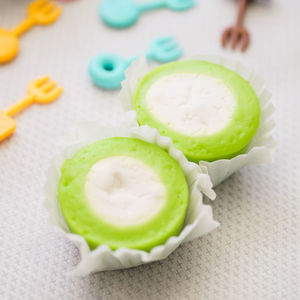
[108,70]
[124,13]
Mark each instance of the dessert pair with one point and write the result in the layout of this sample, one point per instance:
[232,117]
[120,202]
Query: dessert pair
[125,192]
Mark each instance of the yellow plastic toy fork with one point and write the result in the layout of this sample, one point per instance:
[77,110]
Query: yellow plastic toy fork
[40,91]
[42,12]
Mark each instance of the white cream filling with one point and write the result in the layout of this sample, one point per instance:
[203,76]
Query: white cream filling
[124,191]
[191,103]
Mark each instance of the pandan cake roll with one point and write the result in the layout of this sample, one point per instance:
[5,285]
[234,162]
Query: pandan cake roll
[125,196]
[123,192]
[215,110]
[209,111]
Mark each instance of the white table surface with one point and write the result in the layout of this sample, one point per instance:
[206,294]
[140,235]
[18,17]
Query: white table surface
[255,254]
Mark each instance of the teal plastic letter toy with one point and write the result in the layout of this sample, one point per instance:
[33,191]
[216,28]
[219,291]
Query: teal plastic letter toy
[124,13]
[108,70]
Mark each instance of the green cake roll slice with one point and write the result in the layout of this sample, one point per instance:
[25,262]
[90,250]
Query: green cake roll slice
[123,192]
[209,111]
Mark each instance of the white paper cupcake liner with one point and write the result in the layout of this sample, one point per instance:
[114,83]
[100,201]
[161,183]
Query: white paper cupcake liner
[261,148]
[199,219]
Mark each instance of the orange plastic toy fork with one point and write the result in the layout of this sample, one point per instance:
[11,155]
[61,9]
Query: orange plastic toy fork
[40,91]
[41,12]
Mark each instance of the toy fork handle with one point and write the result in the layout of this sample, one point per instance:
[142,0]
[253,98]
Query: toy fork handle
[241,12]
[23,26]
[129,61]
[149,54]
[20,105]
[152,5]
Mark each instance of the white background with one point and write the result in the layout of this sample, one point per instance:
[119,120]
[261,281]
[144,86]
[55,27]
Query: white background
[255,254]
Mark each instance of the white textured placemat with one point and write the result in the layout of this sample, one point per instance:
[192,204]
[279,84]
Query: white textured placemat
[255,254]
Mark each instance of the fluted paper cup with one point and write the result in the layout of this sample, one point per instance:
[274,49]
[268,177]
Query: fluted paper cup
[198,221]
[262,146]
